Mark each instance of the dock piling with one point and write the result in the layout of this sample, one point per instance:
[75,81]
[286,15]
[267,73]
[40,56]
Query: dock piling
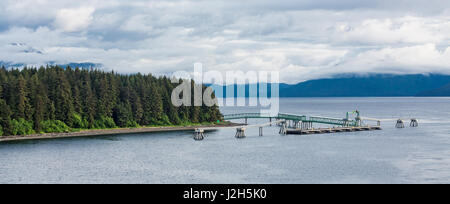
[199,134]
[240,133]
[400,124]
[414,123]
[283,129]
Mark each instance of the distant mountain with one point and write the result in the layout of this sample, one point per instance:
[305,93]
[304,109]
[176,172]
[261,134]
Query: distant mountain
[11,64]
[83,65]
[221,91]
[379,85]
[442,91]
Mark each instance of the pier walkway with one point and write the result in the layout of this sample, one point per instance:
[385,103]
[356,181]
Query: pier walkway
[297,118]
[303,125]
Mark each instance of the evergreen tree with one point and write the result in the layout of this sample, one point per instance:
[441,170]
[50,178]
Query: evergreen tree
[23,105]
[122,115]
[136,106]
[63,103]
[104,99]
[39,113]
[5,118]
[88,100]
[39,100]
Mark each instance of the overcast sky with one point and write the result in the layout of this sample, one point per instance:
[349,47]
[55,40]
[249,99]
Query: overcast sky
[304,39]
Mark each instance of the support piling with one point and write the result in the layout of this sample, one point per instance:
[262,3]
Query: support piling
[240,133]
[199,134]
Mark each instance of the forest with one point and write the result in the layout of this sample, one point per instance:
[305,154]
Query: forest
[53,99]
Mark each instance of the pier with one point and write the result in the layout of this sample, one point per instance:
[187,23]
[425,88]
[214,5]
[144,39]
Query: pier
[308,120]
[240,130]
[292,124]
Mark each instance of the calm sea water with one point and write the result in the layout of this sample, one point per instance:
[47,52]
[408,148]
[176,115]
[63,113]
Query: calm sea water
[410,155]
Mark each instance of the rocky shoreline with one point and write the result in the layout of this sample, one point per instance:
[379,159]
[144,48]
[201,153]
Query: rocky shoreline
[90,133]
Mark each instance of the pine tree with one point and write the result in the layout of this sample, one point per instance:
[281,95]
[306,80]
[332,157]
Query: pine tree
[77,105]
[39,100]
[63,102]
[39,113]
[153,108]
[169,109]
[136,106]
[122,115]
[5,118]
[105,102]
[88,100]
[23,105]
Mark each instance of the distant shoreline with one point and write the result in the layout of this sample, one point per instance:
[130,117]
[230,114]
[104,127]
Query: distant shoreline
[105,132]
[349,97]
[364,96]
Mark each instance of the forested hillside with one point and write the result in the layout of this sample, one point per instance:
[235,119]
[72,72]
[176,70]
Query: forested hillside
[53,99]
[443,91]
[376,85]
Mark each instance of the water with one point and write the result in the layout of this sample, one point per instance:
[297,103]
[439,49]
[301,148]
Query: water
[410,155]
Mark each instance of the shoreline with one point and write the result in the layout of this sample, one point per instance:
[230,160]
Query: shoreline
[106,132]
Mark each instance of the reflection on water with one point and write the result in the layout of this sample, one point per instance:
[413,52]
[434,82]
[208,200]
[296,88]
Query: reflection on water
[410,155]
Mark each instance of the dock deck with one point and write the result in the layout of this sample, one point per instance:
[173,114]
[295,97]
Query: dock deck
[330,130]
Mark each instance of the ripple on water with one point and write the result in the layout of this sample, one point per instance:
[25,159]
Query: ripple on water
[410,155]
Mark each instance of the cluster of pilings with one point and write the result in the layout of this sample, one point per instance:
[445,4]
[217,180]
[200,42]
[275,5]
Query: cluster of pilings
[414,123]
[306,125]
[199,134]
[240,133]
[401,124]
[283,128]
[297,124]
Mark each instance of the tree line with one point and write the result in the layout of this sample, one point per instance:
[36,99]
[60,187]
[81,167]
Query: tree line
[55,99]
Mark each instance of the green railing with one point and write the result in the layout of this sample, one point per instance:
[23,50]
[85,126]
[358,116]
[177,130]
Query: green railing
[245,115]
[302,118]
[332,121]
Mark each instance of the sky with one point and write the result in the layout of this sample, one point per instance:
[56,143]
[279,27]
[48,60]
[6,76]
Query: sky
[303,39]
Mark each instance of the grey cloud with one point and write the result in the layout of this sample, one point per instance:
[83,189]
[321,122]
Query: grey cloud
[305,39]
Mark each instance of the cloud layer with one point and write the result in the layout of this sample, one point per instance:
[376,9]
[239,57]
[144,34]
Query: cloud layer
[303,39]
